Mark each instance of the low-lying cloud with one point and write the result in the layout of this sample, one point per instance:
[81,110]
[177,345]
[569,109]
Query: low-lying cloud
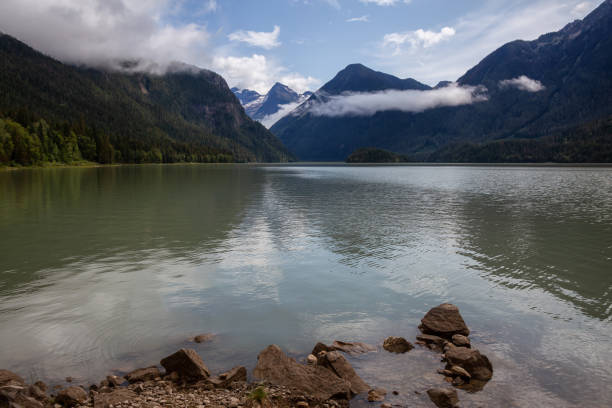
[523,83]
[368,104]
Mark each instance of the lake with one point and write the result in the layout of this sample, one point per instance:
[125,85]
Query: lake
[112,268]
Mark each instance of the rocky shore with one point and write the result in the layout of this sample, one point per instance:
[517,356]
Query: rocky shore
[325,380]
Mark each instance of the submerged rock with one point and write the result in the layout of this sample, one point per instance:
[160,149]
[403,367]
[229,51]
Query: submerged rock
[143,374]
[444,321]
[397,345]
[187,364]
[377,394]
[319,347]
[443,397]
[352,347]
[204,337]
[71,396]
[477,365]
[318,382]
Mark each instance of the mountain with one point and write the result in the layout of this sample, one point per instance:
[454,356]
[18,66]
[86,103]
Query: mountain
[540,89]
[264,107]
[188,114]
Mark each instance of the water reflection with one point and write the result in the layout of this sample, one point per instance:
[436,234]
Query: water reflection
[111,268]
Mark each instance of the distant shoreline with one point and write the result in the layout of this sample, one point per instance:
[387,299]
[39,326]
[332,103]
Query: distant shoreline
[309,164]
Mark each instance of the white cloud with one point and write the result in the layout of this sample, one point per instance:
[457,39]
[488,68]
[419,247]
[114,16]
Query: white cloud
[367,104]
[581,9]
[284,110]
[362,19]
[522,83]
[101,32]
[259,74]
[385,2]
[265,40]
[417,39]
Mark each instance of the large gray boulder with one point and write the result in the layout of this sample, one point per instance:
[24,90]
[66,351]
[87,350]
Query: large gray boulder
[317,382]
[477,365]
[445,321]
[187,364]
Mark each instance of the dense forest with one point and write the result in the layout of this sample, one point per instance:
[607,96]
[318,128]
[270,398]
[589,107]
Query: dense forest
[374,155]
[187,114]
[26,140]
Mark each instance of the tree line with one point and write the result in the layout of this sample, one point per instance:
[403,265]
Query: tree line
[27,140]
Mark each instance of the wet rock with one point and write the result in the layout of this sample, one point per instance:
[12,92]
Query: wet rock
[377,394]
[71,396]
[69,379]
[319,347]
[460,340]
[302,404]
[186,363]
[114,381]
[35,392]
[204,337]
[385,405]
[443,397]
[336,362]
[311,359]
[16,396]
[352,347]
[446,373]
[226,379]
[432,342]
[444,321]
[458,381]
[397,345]
[10,378]
[476,364]
[456,370]
[43,387]
[318,382]
[143,374]
[119,395]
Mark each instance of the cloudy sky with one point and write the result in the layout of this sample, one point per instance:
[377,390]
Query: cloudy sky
[302,43]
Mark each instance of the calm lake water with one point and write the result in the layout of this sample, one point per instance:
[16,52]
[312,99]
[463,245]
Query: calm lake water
[108,269]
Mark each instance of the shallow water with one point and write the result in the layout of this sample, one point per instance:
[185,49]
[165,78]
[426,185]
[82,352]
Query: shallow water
[107,269]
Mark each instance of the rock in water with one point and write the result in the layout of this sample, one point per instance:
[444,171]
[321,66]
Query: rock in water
[336,362]
[319,347]
[352,347]
[143,374]
[377,395]
[187,364]
[226,379]
[445,321]
[318,382]
[477,365]
[397,345]
[71,396]
[203,338]
[10,378]
[460,340]
[443,397]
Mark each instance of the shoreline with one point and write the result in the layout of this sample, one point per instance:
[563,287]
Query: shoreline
[89,165]
[326,379]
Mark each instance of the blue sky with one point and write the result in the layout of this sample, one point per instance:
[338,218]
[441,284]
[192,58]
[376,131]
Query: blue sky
[302,43]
